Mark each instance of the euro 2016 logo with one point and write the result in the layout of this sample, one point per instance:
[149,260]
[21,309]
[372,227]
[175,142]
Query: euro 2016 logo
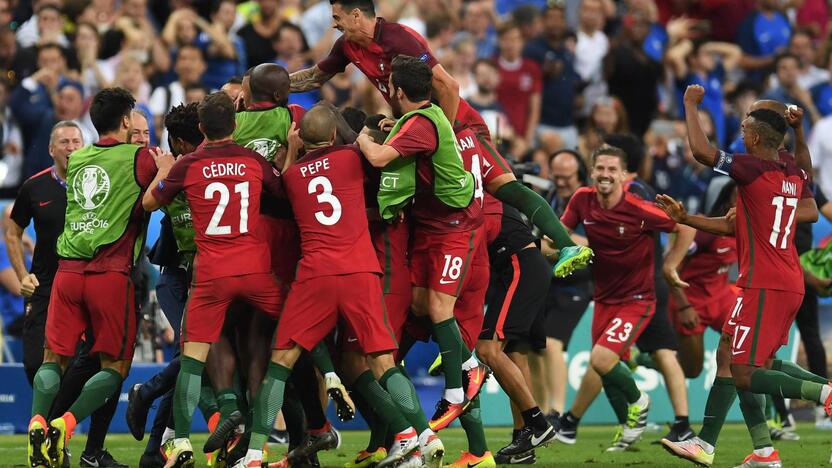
[265,147]
[91,187]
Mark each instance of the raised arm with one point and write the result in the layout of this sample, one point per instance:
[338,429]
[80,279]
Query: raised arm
[802,157]
[446,89]
[308,79]
[703,150]
[722,226]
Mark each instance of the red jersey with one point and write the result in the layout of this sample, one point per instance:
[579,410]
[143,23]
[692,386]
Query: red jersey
[118,256]
[390,40]
[223,182]
[390,242]
[622,238]
[706,267]
[518,82]
[767,197]
[485,163]
[326,189]
[418,138]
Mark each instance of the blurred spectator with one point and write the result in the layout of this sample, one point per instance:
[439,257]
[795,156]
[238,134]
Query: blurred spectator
[257,35]
[195,92]
[802,45]
[11,142]
[291,49]
[316,23]
[704,64]
[141,130]
[46,25]
[10,62]
[11,301]
[507,7]
[6,12]
[607,116]
[130,76]
[189,68]
[439,33]
[225,51]
[787,68]
[462,64]
[521,85]
[813,15]
[762,34]
[822,93]
[715,20]
[133,34]
[553,52]
[632,76]
[484,100]
[590,49]
[739,101]
[101,13]
[95,74]
[478,21]
[820,147]
[528,19]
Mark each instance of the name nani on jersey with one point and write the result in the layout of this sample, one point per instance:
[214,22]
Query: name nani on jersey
[789,188]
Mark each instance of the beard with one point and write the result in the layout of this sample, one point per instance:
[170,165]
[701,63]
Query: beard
[396,106]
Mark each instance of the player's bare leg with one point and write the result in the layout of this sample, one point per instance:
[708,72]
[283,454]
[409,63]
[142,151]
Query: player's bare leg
[617,378]
[691,354]
[554,375]
[536,431]
[674,379]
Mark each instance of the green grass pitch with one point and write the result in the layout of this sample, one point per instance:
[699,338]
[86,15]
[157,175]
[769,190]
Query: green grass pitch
[812,450]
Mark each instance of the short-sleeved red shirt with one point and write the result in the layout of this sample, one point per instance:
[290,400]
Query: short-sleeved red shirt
[223,183]
[706,267]
[622,238]
[118,256]
[418,138]
[518,82]
[390,40]
[326,189]
[768,194]
[482,160]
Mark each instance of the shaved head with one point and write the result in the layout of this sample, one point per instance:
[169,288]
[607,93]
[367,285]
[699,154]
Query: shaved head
[269,82]
[768,104]
[317,128]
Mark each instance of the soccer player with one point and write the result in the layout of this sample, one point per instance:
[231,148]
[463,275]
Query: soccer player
[222,182]
[102,238]
[338,277]
[772,196]
[370,43]
[620,227]
[420,163]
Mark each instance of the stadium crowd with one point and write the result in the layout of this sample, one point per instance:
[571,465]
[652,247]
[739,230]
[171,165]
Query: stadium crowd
[636,93]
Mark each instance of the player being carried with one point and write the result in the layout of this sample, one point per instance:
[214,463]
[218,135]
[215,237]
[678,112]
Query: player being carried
[773,196]
[371,43]
[222,182]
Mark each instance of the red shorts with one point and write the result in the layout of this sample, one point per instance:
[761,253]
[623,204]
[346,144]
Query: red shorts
[440,261]
[283,239]
[314,306]
[618,326]
[469,308]
[102,301]
[760,323]
[712,311]
[397,307]
[209,302]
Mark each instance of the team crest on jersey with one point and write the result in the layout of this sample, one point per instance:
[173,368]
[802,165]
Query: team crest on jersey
[620,230]
[265,147]
[91,187]
[381,66]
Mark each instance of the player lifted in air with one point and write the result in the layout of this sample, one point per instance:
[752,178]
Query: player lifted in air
[222,182]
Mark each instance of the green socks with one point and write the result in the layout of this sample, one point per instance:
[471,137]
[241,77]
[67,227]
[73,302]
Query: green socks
[774,382]
[472,423]
[186,395]
[450,343]
[227,402]
[322,359]
[267,404]
[621,377]
[207,400]
[381,402]
[378,428]
[646,360]
[618,402]
[538,211]
[752,406]
[720,399]
[792,369]
[99,388]
[404,396]
[45,388]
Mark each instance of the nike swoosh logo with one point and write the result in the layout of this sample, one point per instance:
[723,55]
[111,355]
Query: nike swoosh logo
[442,281]
[722,251]
[537,440]
[44,203]
[589,223]
[735,353]
[89,462]
[517,459]
[352,340]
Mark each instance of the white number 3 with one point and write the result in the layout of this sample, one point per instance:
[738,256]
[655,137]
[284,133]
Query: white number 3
[327,197]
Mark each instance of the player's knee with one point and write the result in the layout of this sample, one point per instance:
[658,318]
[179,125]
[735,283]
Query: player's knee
[487,351]
[602,359]
[691,368]
[742,376]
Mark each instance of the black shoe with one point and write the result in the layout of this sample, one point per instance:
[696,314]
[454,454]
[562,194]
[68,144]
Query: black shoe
[239,449]
[527,458]
[528,439]
[224,430]
[278,437]
[136,412]
[101,458]
[152,460]
[67,456]
[678,433]
[568,430]
[313,444]
[310,462]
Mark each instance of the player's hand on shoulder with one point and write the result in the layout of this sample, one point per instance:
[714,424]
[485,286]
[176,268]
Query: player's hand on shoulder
[164,159]
[694,94]
[674,209]
[794,116]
